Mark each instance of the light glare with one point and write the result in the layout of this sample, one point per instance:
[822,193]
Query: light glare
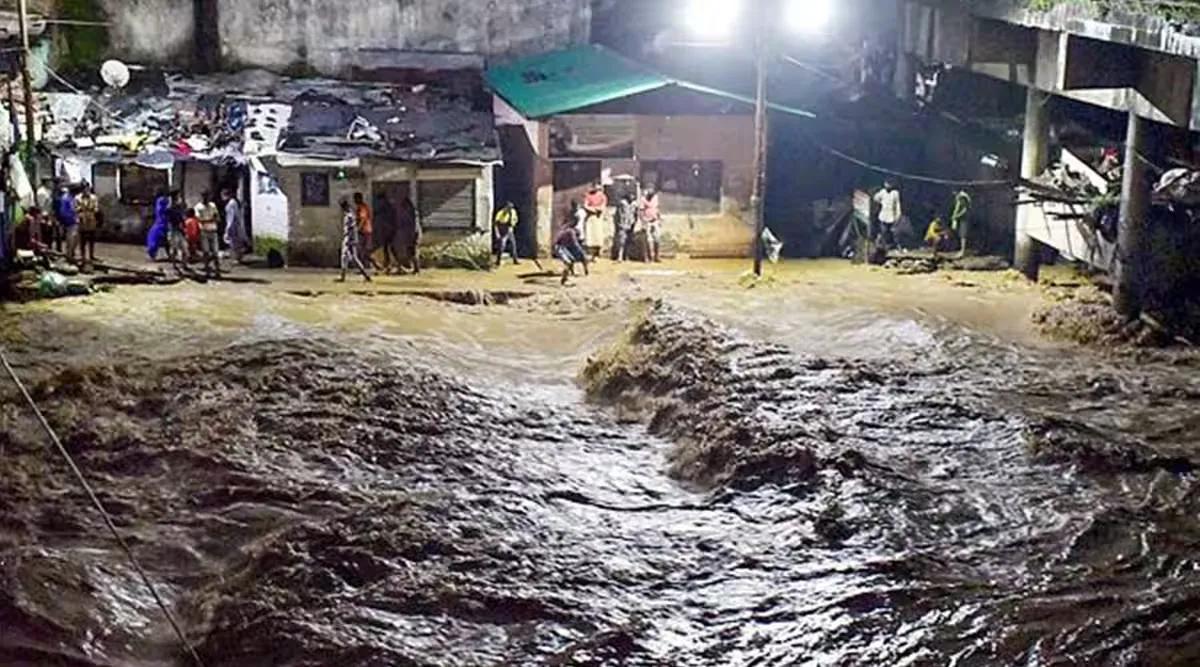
[712,19]
[809,16]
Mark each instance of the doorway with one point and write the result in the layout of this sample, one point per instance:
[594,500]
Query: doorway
[387,216]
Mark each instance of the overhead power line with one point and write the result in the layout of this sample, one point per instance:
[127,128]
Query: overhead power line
[108,522]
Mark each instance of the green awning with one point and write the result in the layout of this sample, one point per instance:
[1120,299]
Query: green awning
[573,79]
[562,81]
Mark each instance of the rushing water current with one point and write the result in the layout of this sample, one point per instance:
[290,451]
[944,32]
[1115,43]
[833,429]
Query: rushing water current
[709,480]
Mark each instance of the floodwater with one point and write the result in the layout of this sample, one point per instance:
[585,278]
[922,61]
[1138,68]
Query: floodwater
[665,469]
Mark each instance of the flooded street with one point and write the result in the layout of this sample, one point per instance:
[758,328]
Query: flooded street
[656,467]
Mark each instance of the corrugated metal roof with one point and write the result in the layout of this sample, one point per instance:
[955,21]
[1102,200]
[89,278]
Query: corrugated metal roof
[561,81]
[564,81]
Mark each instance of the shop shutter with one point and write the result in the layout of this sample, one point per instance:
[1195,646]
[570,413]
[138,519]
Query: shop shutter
[447,204]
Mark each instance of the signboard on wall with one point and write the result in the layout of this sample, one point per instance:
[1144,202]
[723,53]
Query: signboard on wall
[592,136]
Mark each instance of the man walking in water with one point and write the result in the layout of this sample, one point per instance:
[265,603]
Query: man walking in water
[507,220]
[351,243]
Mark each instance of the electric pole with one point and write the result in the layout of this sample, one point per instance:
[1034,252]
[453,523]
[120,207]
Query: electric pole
[762,30]
[27,83]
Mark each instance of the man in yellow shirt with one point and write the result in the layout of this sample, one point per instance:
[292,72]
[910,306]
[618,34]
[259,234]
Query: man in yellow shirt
[938,236]
[88,207]
[505,231]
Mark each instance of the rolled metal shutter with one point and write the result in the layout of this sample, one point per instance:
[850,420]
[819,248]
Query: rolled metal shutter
[447,204]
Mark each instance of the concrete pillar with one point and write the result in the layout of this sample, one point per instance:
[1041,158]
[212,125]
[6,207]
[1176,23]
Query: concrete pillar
[1034,157]
[1131,232]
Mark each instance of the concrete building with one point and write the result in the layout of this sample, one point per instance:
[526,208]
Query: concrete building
[453,201]
[291,149]
[1136,63]
[572,118]
[334,38]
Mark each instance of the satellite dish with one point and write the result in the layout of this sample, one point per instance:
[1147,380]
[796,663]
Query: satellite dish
[115,74]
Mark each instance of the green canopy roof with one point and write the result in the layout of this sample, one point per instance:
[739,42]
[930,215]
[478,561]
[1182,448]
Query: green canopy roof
[573,79]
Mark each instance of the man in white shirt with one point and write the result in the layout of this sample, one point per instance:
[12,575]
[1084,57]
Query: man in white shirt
[890,212]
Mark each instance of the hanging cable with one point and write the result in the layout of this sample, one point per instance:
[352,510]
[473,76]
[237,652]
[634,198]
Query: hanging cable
[912,177]
[112,528]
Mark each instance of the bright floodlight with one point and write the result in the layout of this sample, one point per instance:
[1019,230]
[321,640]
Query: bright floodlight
[712,19]
[810,16]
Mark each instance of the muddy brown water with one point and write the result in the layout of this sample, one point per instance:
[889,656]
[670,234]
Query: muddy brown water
[817,476]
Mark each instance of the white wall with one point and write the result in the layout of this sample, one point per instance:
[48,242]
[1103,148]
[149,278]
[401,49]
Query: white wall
[151,31]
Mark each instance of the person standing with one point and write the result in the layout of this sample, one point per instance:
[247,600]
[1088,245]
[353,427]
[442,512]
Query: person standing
[68,219]
[47,202]
[176,239]
[387,227]
[651,218]
[408,233]
[87,205]
[960,220]
[33,224]
[505,231]
[191,231]
[156,238]
[890,213]
[210,226]
[626,222]
[235,228]
[351,243]
[595,205]
[366,229]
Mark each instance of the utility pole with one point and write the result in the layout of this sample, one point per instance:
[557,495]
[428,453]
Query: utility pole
[762,30]
[27,83]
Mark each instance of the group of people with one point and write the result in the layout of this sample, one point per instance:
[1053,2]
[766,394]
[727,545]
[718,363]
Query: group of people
[394,230]
[940,236]
[65,219]
[189,234]
[577,240]
[632,214]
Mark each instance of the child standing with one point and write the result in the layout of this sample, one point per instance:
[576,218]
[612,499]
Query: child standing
[191,230]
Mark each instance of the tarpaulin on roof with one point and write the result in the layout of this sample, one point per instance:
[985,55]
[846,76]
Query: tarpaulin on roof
[228,118]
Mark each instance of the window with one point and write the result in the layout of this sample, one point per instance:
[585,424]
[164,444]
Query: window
[685,186]
[104,180]
[314,189]
[447,204]
[141,185]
